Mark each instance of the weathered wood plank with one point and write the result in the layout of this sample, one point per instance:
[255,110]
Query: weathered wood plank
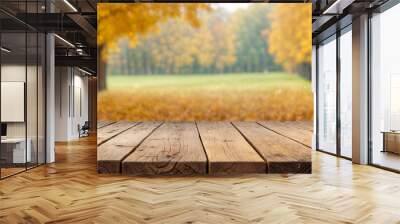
[102,124]
[112,130]
[172,149]
[282,154]
[111,153]
[302,136]
[227,151]
[307,125]
[302,125]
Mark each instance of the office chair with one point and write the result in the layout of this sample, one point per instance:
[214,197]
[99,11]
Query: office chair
[84,130]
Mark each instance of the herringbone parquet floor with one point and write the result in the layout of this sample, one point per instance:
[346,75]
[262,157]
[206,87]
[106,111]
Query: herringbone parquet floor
[71,191]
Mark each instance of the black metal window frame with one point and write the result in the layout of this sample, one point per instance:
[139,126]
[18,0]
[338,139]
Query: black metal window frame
[340,31]
[384,7]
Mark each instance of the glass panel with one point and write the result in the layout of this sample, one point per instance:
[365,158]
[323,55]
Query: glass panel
[13,89]
[23,90]
[386,89]
[346,94]
[327,96]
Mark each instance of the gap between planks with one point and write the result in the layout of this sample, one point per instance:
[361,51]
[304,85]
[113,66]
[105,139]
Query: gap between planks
[112,130]
[111,153]
[102,124]
[281,154]
[173,149]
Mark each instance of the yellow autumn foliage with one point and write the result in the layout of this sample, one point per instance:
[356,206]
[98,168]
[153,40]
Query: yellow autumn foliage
[290,34]
[177,46]
[132,20]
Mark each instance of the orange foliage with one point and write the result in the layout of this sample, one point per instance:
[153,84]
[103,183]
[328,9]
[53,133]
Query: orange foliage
[290,34]
[195,105]
[117,20]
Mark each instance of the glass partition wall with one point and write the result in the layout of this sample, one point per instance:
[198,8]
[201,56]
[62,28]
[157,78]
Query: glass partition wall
[22,98]
[385,89]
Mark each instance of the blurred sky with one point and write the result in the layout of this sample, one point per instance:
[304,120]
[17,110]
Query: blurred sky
[231,7]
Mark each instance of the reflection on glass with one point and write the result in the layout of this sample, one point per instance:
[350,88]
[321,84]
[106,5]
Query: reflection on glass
[327,96]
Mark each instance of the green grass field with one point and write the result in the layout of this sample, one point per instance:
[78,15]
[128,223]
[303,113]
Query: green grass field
[274,96]
[207,82]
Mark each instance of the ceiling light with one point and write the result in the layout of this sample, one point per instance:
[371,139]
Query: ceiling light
[65,41]
[84,71]
[337,7]
[70,5]
[5,50]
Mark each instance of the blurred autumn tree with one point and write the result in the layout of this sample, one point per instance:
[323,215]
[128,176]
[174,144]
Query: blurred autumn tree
[199,38]
[130,20]
[251,47]
[225,42]
[290,36]
[178,47]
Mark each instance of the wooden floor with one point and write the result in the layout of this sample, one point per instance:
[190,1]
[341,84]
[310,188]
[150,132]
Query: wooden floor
[71,191]
[204,148]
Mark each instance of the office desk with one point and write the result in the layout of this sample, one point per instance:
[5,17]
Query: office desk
[13,150]
[391,141]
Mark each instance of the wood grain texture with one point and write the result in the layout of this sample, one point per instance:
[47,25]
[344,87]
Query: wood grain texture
[305,125]
[172,149]
[227,151]
[282,154]
[111,153]
[102,124]
[300,135]
[112,130]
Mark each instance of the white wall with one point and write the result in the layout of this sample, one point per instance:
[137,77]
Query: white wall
[62,81]
[71,94]
[14,73]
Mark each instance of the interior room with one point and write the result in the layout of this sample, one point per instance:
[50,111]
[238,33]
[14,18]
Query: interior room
[337,83]
[48,167]
[44,97]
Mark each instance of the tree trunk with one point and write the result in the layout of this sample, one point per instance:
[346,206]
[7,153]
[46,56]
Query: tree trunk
[101,71]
